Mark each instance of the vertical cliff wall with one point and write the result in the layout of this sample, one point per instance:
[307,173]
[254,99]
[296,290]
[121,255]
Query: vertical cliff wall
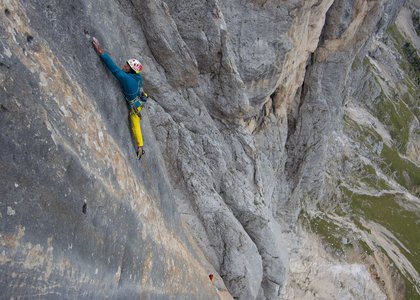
[359,177]
[245,144]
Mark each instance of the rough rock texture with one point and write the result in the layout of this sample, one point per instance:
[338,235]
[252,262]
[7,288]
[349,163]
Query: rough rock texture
[356,138]
[244,133]
[315,274]
[79,219]
[314,140]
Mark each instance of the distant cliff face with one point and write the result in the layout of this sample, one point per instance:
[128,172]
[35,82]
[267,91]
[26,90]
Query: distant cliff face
[276,133]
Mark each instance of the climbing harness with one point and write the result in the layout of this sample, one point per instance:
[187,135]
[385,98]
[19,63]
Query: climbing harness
[138,103]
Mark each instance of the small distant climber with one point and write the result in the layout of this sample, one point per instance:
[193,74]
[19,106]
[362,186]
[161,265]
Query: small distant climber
[132,86]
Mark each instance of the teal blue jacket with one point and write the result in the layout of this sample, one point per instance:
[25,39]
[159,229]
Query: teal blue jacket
[130,83]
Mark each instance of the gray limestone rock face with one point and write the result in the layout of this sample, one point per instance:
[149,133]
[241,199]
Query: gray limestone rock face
[164,40]
[242,132]
[314,140]
[258,32]
[80,216]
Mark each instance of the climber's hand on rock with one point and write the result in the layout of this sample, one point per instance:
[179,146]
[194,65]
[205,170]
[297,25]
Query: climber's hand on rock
[97,46]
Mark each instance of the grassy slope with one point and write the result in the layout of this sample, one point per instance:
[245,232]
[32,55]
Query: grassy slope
[387,208]
[384,202]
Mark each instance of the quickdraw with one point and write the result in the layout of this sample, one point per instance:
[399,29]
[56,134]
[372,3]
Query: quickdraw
[136,111]
[135,103]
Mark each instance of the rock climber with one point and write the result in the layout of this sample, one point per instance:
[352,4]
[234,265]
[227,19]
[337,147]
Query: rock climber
[131,83]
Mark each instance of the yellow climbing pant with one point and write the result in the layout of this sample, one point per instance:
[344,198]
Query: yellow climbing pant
[135,126]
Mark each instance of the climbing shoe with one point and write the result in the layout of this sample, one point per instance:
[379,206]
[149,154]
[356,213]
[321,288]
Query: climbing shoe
[140,152]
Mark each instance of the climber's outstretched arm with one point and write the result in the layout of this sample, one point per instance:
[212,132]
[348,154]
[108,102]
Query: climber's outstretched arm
[115,70]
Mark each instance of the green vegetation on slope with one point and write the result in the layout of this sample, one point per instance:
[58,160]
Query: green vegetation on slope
[415,17]
[411,61]
[396,108]
[367,174]
[411,98]
[403,171]
[387,210]
[329,232]
[365,247]
[410,288]
[410,64]
[391,163]
[362,134]
[336,237]
[411,58]
[414,60]
[398,117]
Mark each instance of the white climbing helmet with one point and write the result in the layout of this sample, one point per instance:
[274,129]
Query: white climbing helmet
[135,65]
